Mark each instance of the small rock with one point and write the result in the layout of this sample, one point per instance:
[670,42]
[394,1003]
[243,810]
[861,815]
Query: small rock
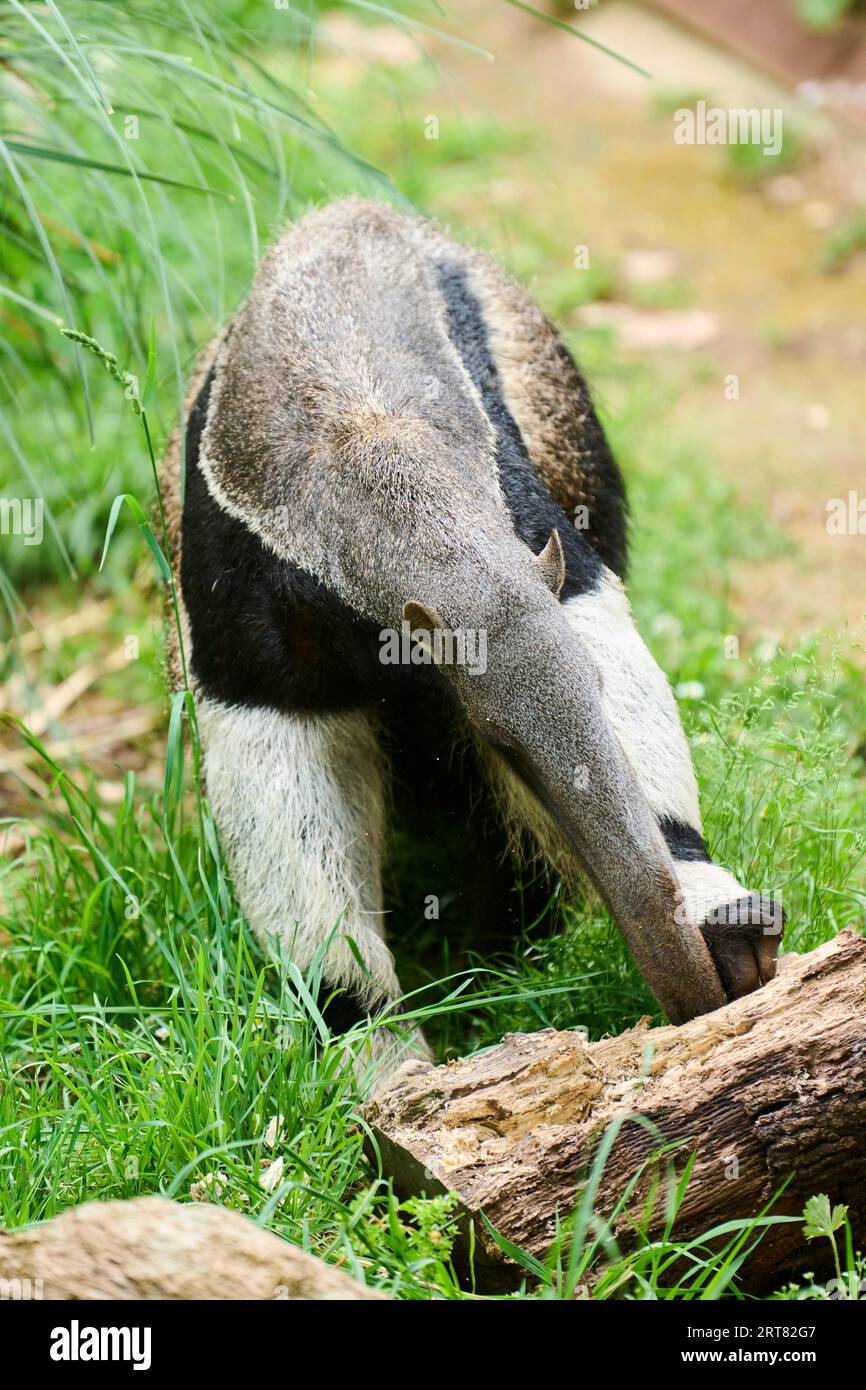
[648,267]
[675,328]
[816,416]
[211,1188]
[785,189]
[819,215]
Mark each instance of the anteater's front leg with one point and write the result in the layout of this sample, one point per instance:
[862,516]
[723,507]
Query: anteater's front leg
[742,928]
[298,802]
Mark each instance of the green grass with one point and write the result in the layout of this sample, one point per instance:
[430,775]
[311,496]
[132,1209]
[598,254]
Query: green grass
[824,14]
[145,1043]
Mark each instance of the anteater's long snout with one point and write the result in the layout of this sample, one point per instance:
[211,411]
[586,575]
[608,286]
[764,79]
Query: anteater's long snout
[537,703]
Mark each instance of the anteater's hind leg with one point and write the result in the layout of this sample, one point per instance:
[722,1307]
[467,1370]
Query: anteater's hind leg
[299,805]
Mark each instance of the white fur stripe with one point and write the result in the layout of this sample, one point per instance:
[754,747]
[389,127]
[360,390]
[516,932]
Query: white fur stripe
[299,806]
[637,700]
[704,887]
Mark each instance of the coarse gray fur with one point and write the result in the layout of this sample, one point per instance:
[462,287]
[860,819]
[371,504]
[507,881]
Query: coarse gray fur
[344,430]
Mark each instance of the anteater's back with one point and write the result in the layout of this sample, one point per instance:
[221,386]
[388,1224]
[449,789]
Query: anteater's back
[375,352]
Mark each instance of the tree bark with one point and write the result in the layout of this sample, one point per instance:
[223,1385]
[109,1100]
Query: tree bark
[769,1088]
[151,1248]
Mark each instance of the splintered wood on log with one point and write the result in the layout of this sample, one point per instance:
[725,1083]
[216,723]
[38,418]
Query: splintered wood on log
[768,1089]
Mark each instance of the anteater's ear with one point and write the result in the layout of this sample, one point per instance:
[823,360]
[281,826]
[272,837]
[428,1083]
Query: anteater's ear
[424,622]
[551,564]
[421,618]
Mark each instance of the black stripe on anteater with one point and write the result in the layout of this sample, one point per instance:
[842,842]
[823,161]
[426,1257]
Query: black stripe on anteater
[684,842]
[534,511]
[264,632]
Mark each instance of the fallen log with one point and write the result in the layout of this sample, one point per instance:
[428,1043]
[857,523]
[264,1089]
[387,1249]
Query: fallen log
[768,1089]
[151,1248]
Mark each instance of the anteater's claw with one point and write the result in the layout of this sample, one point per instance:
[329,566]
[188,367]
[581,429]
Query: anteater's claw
[744,937]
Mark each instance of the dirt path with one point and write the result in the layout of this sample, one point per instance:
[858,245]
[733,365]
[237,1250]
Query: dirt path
[603,170]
